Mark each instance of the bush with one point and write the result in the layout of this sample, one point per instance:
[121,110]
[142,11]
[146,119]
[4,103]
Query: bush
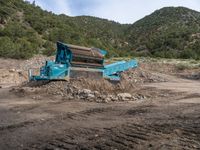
[7,48]
[182,67]
[49,48]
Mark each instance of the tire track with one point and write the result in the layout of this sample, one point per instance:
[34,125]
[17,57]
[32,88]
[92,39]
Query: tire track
[129,136]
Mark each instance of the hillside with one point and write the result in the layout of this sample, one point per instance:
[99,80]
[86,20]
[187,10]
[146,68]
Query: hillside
[172,32]
[26,29]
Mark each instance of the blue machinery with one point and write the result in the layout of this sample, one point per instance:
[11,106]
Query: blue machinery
[71,61]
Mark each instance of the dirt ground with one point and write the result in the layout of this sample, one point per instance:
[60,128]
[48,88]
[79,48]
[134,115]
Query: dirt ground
[168,118]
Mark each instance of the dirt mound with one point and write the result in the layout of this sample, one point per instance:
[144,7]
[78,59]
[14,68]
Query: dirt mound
[12,77]
[35,62]
[102,90]
[88,90]
[15,72]
[82,88]
[10,63]
[140,75]
[191,76]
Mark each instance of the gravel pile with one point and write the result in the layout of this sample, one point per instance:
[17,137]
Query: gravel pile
[140,76]
[35,62]
[85,89]
[12,77]
[102,90]
[70,90]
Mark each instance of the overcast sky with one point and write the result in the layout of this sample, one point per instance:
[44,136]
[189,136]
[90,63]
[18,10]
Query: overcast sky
[123,11]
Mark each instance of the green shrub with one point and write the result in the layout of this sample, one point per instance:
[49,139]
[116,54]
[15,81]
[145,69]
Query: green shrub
[182,67]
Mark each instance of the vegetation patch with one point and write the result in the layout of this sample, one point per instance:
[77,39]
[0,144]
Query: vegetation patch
[26,30]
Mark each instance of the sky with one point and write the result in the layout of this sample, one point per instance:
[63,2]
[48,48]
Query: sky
[122,11]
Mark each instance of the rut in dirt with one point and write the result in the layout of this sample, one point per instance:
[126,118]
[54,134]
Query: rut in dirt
[129,136]
[175,132]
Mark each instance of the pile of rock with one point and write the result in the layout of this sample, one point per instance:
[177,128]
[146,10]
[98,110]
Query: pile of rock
[12,77]
[35,62]
[139,76]
[71,92]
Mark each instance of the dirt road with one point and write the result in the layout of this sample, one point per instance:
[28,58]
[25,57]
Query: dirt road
[169,121]
[177,85]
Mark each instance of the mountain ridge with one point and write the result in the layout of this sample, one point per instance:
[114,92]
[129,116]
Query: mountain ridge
[26,29]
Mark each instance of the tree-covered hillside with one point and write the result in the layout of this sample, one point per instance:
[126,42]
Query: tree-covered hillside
[26,29]
[172,32]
